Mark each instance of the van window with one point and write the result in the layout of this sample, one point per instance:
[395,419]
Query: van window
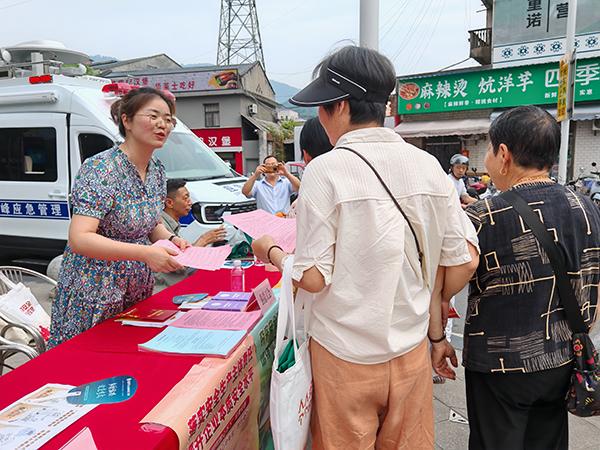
[91,144]
[28,154]
[186,156]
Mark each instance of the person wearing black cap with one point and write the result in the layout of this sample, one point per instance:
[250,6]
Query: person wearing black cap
[373,263]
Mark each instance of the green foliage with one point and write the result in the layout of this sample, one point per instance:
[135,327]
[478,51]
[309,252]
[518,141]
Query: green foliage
[279,134]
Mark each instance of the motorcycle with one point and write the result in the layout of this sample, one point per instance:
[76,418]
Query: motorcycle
[588,184]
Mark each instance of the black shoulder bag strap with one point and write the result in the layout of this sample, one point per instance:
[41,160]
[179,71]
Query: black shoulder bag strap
[412,230]
[557,261]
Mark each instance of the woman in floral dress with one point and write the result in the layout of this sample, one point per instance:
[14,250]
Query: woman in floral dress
[117,198]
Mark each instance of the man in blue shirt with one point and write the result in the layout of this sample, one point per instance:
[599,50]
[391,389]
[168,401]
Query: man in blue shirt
[272,192]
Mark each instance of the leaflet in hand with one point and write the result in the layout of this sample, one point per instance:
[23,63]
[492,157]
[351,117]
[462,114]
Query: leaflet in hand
[218,320]
[188,341]
[259,223]
[203,258]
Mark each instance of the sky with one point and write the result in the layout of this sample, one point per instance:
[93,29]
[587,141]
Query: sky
[417,35]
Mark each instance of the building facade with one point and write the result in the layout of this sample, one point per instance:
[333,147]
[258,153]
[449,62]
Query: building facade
[450,111]
[229,107]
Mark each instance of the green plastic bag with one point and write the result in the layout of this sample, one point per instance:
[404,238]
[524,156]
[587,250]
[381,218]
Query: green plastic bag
[286,359]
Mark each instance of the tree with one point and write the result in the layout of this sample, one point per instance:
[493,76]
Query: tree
[279,134]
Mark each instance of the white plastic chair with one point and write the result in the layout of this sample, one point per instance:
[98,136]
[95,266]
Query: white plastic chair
[36,344]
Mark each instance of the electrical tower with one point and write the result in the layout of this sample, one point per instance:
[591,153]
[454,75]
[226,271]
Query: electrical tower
[239,35]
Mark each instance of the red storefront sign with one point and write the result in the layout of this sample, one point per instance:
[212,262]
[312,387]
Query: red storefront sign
[227,142]
[221,139]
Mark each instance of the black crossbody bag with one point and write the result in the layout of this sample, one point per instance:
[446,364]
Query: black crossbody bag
[583,397]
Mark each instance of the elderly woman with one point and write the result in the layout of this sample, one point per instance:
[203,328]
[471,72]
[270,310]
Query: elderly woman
[517,351]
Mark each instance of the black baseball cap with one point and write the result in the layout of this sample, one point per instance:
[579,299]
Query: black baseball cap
[333,85]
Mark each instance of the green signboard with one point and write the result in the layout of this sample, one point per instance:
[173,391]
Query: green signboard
[495,88]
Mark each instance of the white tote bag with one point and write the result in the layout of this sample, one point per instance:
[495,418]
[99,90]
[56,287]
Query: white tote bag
[20,306]
[291,391]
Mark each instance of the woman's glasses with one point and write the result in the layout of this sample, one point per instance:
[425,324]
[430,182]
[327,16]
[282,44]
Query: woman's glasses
[169,121]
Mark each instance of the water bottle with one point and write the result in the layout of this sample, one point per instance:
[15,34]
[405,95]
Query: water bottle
[237,277]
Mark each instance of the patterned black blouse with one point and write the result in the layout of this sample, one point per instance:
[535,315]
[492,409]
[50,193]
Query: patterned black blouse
[514,321]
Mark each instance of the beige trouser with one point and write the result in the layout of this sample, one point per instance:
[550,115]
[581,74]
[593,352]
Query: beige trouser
[374,406]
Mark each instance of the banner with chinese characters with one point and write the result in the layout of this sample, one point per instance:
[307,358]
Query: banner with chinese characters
[528,30]
[221,139]
[495,88]
[186,81]
[215,406]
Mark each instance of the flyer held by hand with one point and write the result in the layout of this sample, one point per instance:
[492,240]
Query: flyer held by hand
[202,258]
[259,223]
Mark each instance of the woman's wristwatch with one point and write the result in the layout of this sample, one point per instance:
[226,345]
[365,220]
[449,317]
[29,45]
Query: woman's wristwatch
[173,236]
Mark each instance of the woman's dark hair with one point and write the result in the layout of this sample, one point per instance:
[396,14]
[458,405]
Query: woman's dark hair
[314,139]
[173,185]
[530,133]
[368,68]
[135,100]
[269,156]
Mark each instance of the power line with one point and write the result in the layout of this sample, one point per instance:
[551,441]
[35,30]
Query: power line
[15,4]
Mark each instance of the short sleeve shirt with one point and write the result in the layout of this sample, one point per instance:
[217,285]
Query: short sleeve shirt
[459,185]
[375,305]
[273,199]
[109,188]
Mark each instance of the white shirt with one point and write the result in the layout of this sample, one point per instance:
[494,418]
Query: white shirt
[459,185]
[375,305]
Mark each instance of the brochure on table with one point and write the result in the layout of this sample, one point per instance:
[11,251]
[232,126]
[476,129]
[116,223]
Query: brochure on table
[188,341]
[36,418]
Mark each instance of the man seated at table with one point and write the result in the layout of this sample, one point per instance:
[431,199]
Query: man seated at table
[177,205]
[272,192]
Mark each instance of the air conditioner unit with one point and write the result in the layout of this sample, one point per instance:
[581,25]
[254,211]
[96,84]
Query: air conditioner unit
[596,124]
[252,108]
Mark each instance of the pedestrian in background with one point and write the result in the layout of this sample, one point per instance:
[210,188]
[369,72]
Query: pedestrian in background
[117,199]
[313,142]
[273,190]
[517,350]
[366,269]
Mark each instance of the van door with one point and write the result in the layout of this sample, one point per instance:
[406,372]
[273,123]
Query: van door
[34,182]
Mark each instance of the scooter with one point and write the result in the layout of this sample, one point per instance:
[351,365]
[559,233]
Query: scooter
[588,184]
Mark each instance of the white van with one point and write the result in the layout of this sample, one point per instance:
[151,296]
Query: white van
[49,124]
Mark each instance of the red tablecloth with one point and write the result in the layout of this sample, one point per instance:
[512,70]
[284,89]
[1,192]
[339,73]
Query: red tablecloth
[110,349]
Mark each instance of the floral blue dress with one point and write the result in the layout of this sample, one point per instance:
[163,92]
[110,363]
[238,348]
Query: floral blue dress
[109,188]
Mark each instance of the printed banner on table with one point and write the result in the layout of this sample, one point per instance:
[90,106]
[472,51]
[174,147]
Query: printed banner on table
[222,414]
[495,88]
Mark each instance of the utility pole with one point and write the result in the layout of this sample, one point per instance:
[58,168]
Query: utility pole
[369,24]
[565,124]
[239,34]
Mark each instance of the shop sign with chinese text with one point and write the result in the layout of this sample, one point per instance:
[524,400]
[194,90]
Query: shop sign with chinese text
[186,81]
[495,88]
[221,139]
[534,30]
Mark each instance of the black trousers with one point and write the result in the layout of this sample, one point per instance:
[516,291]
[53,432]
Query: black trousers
[518,411]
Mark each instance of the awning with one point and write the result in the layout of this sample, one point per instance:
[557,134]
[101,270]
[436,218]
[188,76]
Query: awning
[443,128]
[583,112]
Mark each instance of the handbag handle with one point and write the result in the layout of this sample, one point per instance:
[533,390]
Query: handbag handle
[556,257]
[387,189]
[286,311]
